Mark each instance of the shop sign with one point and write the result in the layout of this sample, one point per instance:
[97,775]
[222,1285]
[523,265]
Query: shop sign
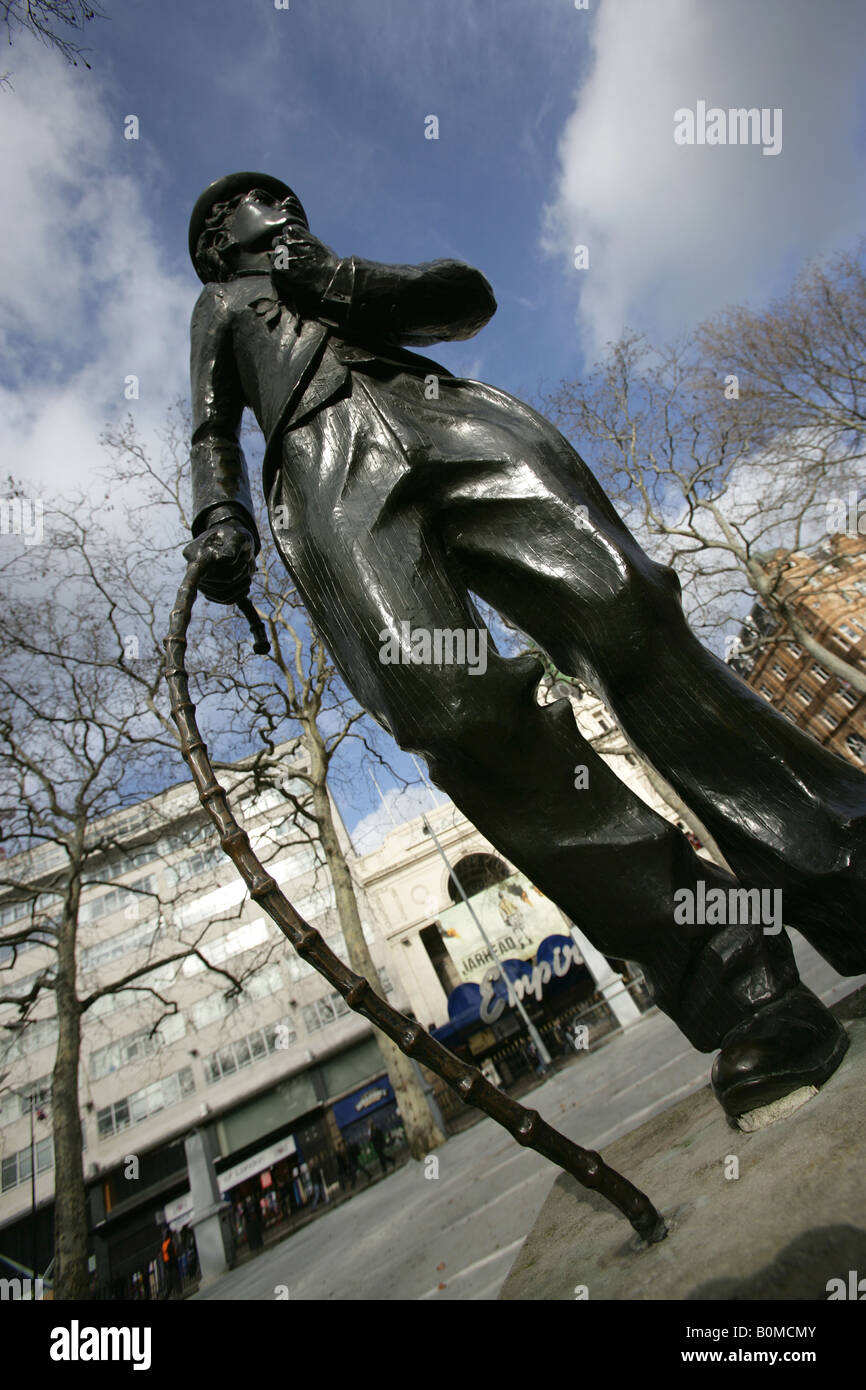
[182,1206]
[369,1098]
[486,1002]
[360,1102]
[251,1166]
[532,982]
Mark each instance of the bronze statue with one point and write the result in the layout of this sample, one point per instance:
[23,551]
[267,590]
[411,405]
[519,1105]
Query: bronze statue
[394,490]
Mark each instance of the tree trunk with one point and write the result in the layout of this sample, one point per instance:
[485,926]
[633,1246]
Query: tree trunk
[422,1132]
[70,1198]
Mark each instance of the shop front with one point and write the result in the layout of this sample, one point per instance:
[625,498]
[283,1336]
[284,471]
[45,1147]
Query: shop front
[370,1125]
[555,987]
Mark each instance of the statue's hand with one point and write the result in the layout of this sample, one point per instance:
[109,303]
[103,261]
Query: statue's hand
[301,262]
[227,551]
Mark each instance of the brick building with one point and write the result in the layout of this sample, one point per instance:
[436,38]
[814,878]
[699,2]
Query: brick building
[828,589]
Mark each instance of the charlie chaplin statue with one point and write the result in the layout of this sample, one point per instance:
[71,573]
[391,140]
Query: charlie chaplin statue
[394,490]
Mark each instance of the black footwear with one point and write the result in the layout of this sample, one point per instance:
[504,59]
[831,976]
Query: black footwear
[790,1043]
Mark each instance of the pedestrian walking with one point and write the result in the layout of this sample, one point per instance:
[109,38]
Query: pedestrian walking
[380,1144]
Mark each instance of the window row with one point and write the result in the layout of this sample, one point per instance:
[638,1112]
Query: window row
[132,1110]
[198,863]
[327,1010]
[32,1037]
[15,1104]
[23,911]
[18,1167]
[135,1047]
[125,943]
[221,1003]
[276,1038]
[243,938]
[117,898]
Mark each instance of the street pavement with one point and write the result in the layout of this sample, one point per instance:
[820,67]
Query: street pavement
[455,1236]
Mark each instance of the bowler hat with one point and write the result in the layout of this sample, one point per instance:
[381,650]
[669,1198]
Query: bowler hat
[226,188]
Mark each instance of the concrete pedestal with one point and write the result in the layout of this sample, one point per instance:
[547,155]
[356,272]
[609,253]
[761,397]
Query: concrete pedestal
[791,1221]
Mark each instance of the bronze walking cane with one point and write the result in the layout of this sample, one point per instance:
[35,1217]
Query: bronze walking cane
[526,1126]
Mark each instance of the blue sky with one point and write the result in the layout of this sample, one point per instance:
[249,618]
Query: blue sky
[555,128]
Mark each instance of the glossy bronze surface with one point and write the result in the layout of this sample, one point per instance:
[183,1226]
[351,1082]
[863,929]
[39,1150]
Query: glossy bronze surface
[395,492]
[526,1126]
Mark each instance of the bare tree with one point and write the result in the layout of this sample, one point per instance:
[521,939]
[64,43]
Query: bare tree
[801,364]
[712,485]
[53,22]
[83,734]
[295,697]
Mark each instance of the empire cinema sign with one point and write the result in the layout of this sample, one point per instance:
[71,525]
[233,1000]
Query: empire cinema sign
[493,1003]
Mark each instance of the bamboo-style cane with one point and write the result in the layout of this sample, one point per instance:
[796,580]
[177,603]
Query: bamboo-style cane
[526,1126]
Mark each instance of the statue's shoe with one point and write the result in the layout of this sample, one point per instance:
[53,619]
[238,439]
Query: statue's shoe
[793,1042]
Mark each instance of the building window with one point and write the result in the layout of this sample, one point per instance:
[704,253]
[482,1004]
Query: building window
[322,1012]
[135,1047]
[820,674]
[789,714]
[803,694]
[132,1110]
[223,1002]
[850,631]
[245,1051]
[779,670]
[40,1090]
[243,938]
[17,1167]
[30,910]
[795,650]
[857,746]
[830,719]
[766,692]
[196,864]
[848,696]
[32,1037]
[125,943]
[117,898]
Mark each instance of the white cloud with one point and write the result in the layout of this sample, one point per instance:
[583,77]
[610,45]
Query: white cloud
[85,298]
[675,232]
[401,804]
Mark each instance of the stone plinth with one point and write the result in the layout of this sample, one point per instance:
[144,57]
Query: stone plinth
[793,1219]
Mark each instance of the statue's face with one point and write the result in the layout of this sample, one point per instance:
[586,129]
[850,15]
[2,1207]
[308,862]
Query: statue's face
[258,218]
